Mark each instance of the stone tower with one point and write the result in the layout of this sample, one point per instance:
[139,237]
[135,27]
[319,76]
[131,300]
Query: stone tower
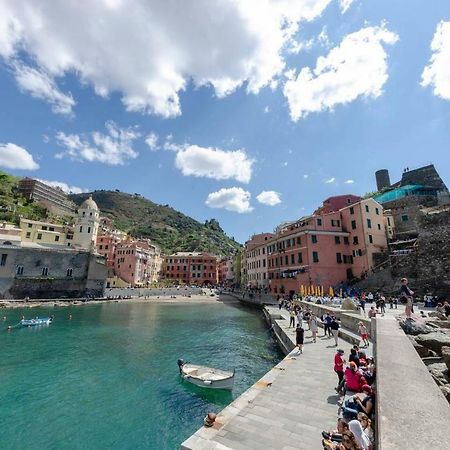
[86,225]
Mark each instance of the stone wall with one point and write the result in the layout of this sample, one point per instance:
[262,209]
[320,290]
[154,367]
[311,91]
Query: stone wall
[86,276]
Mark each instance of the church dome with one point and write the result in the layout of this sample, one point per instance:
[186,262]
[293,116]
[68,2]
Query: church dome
[89,204]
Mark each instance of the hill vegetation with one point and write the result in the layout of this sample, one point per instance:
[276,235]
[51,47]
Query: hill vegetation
[166,227]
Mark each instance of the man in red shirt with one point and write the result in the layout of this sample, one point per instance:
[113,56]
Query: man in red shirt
[339,365]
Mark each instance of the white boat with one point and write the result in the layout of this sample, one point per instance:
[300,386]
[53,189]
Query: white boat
[36,322]
[206,377]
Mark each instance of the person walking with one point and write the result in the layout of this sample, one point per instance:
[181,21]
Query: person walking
[300,317]
[334,325]
[299,337]
[363,333]
[314,326]
[407,294]
[291,318]
[326,325]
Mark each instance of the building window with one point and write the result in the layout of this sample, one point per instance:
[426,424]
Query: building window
[292,259]
[39,236]
[319,222]
[405,218]
[30,225]
[51,228]
[100,247]
[19,270]
[379,226]
[81,229]
[389,221]
[355,240]
[286,260]
[300,258]
[339,258]
[315,257]
[314,239]
[44,228]
[370,239]
[377,211]
[89,229]
[346,240]
[353,224]
[3,260]
[299,240]
[84,213]
[69,272]
[352,210]
[369,223]
[28,235]
[337,240]
[56,238]
[44,271]
[367,208]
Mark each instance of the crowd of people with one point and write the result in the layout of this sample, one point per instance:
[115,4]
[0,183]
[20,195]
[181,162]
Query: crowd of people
[356,376]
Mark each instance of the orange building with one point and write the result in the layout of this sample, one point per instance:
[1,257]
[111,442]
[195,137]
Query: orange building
[193,268]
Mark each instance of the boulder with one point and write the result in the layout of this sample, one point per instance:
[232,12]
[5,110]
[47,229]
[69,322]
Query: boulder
[434,340]
[414,327]
[446,356]
[349,305]
[446,391]
[422,351]
[440,373]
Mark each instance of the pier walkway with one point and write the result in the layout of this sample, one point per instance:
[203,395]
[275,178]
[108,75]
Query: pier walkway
[288,408]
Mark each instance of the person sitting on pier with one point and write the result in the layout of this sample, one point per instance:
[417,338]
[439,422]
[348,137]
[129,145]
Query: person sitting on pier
[353,379]
[356,404]
[360,437]
[336,435]
[348,443]
[366,424]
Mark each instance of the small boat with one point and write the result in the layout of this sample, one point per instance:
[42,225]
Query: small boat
[35,322]
[206,377]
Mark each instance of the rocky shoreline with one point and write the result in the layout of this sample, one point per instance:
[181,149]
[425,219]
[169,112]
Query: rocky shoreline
[430,336]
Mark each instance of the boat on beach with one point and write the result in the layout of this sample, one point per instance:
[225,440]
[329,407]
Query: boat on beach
[36,322]
[206,377]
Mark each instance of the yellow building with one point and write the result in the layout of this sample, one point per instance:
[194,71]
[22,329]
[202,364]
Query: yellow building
[46,234]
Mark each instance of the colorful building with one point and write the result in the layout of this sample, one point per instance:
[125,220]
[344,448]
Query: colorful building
[256,273]
[45,234]
[192,268]
[226,271]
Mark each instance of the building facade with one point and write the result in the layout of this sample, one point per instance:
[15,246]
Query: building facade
[256,273]
[226,271]
[192,268]
[54,199]
[86,225]
[137,262]
[46,234]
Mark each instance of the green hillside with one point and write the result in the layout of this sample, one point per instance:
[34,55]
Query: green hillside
[168,228]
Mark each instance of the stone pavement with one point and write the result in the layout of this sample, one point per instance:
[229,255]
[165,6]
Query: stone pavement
[287,409]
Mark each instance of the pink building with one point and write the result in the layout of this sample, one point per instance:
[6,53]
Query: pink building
[136,262]
[255,261]
[333,204]
[326,249]
[106,246]
[226,271]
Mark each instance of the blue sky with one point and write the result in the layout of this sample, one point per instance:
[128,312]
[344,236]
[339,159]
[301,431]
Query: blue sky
[253,112]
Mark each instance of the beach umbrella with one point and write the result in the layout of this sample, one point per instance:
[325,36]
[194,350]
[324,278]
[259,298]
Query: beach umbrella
[340,293]
[331,291]
[321,291]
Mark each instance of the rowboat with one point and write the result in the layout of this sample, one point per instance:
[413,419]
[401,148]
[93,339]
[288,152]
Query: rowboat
[35,322]
[206,377]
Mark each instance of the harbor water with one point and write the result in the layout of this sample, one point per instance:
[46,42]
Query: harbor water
[108,378]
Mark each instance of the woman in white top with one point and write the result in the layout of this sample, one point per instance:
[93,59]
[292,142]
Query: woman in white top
[314,326]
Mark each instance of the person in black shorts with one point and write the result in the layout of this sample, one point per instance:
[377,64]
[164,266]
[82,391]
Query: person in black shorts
[299,337]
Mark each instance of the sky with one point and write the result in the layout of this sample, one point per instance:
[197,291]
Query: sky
[248,111]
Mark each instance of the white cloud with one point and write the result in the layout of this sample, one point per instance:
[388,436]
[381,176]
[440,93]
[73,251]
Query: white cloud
[266,109]
[113,148]
[305,176]
[65,187]
[357,68]
[152,141]
[349,181]
[323,38]
[14,157]
[284,164]
[270,198]
[232,199]
[40,85]
[330,180]
[224,44]
[214,163]
[345,5]
[437,73]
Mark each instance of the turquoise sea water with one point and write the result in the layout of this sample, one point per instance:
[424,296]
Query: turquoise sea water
[108,378]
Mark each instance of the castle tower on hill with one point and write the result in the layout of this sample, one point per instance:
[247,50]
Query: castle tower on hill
[86,225]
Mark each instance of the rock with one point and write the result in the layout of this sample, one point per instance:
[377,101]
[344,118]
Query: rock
[440,373]
[446,355]
[349,305]
[446,391]
[414,327]
[422,351]
[434,340]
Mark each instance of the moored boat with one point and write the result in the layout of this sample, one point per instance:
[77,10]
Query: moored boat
[35,322]
[206,377]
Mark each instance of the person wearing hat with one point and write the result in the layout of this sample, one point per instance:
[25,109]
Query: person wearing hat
[339,362]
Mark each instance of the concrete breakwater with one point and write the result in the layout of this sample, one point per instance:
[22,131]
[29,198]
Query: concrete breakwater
[288,407]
